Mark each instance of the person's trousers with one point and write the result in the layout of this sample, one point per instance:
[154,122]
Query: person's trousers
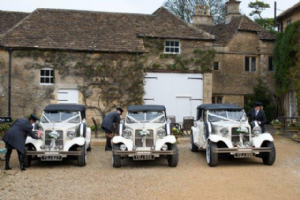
[108,143]
[8,154]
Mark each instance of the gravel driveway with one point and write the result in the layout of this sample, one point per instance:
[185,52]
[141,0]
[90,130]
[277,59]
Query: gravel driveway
[191,179]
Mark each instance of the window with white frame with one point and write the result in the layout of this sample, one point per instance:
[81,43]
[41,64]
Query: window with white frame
[172,46]
[47,76]
[250,64]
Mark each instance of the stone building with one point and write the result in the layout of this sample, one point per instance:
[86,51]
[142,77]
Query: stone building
[244,52]
[286,18]
[50,53]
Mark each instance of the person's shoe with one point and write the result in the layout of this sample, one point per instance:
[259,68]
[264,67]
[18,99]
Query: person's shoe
[7,167]
[22,167]
[108,149]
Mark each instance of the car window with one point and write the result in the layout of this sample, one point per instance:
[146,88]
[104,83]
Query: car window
[226,115]
[60,116]
[148,116]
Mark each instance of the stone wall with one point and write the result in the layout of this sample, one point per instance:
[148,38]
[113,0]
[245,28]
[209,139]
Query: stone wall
[295,16]
[232,82]
[28,96]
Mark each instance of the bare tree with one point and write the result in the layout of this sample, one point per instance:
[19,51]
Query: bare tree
[185,9]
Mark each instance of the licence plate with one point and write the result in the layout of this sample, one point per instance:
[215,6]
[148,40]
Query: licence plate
[143,157]
[243,155]
[51,158]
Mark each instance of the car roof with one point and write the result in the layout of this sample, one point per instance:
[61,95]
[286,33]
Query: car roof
[136,108]
[64,107]
[219,107]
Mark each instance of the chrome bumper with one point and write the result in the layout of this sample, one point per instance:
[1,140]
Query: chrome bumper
[42,153]
[243,150]
[145,152]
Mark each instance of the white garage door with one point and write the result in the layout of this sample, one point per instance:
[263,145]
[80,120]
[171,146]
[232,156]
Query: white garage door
[67,96]
[180,93]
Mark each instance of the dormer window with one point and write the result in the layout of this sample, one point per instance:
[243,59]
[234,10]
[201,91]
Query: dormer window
[172,46]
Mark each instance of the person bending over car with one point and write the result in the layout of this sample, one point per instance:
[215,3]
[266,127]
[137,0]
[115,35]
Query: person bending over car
[257,114]
[16,136]
[107,125]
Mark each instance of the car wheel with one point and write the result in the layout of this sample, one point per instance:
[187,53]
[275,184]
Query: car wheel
[194,148]
[82,157]
[90,146]
[269,157]
[116,159]
[173,159]
[211,157]
[27,159]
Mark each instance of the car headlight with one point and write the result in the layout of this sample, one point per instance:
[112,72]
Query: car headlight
[161,133]
[123,147]
[127,133]
[71,134]
[224,131]
[256,130]
[164,147]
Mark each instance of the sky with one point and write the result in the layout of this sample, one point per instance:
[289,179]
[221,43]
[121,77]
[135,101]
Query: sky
[124,6]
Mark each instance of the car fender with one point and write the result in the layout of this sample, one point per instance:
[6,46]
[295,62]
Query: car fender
[218,138]
[127,142]
[76,141]
[258,140]
[36,143]
[160,142]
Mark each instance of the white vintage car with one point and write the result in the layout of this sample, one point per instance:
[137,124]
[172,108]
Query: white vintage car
[224,129]
[145,135]
[64,133]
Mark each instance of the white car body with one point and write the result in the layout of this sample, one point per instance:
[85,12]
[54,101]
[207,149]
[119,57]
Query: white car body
[69,137]
[140,139]
[234,137]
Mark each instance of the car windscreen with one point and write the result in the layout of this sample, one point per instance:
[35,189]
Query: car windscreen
[61,116]
[146,116]
[226,115]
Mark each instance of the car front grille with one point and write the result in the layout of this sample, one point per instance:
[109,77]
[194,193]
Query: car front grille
[235,136]
[59,141]
[139,139]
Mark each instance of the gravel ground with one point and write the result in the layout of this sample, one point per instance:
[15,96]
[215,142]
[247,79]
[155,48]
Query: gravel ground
[191,179]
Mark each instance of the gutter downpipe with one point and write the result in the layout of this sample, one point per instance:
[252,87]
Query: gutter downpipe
[9,81]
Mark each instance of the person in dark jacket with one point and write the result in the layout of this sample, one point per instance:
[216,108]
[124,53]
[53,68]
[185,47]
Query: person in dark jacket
[107,125]
[16,136]
[257,114]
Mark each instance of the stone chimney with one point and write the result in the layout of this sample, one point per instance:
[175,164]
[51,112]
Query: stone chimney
[202,16]
[232,10]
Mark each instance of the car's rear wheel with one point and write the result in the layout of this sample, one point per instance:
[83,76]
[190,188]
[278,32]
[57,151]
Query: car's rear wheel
[194,148]
[211,157]
[27,159]
[116,159]
[269,157]
[82,158]
[173,159]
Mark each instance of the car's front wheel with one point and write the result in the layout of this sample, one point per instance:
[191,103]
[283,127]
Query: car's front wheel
[194,148]
[211,157]
[116,159]
[270,157]
[173,159]
[82,157]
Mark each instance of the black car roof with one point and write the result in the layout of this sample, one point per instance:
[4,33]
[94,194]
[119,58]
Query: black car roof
[137,108]
[66,107]
[219,107]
